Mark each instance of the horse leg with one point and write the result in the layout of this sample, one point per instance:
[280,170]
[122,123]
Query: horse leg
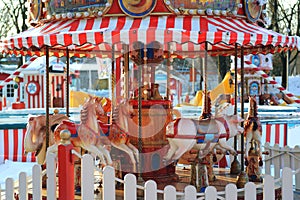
[126,149]
[93,149]
[135,151]
[182,148]
[257,138]
[171,151]
[248,145]
[105,153]
[223,144]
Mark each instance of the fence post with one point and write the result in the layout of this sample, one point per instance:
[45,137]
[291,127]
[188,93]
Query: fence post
[150,190]
[23,186]
[276,160]
[9,188]
[109,189]
[65,167]
[250,191]
[87,177]
[287,184]
[269,188]
[297,166]
[36,182]
[169,192]
[267,160]
[51,175]
[130,187]
[190,193]
[231,192]
[211,193]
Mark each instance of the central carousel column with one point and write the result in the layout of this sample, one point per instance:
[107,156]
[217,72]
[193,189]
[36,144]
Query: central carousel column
[154,113]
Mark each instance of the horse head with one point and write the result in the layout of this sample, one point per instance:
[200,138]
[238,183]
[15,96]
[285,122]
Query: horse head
[90,109]
[122,113]
[35,134]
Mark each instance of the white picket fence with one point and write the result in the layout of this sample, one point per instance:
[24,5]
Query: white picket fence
[150,190]
[23,186]
[280,157]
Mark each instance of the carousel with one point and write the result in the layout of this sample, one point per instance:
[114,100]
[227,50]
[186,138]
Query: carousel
[138,37]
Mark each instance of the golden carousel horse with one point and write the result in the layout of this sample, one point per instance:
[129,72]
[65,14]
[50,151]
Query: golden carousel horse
[118,133]
[35,136]
[252,130]
[88,134]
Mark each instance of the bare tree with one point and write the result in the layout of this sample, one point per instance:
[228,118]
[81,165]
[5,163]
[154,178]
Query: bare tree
[12,17]
[285,19]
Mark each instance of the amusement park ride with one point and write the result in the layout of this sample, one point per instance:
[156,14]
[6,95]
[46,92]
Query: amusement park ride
[149,33]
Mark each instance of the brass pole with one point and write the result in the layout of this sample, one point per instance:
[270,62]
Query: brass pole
[47,97]
[113,98]
[67,83]
[242,106]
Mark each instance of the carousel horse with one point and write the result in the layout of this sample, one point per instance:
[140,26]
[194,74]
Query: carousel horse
[34,140]
[106,106]
[203,134]
[118,133]
[88,134]
[252,130]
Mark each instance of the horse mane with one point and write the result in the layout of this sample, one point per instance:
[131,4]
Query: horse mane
[85,111]
[252,112]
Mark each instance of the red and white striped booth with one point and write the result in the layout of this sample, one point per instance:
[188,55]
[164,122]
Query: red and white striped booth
[12,145]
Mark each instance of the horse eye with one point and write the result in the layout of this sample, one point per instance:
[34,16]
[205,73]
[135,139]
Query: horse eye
[31,119]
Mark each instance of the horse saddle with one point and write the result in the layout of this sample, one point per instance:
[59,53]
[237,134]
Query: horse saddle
[72,127]
[207,130]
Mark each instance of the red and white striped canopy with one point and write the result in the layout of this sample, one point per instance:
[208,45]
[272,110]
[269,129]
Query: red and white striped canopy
[182,34]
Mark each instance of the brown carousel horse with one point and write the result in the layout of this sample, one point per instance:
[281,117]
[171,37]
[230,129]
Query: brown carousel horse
[88,134]
[252,130]
[35,135]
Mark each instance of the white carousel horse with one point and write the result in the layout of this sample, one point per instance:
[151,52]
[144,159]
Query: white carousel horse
[252,130]
[88,134]
[184,134]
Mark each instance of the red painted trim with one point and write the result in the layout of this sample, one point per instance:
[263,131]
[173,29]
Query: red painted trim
[16,145]
[285,132]
[268,132]
[38,97]
[23,156]
[277,133]
[65,173]
[6,144]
